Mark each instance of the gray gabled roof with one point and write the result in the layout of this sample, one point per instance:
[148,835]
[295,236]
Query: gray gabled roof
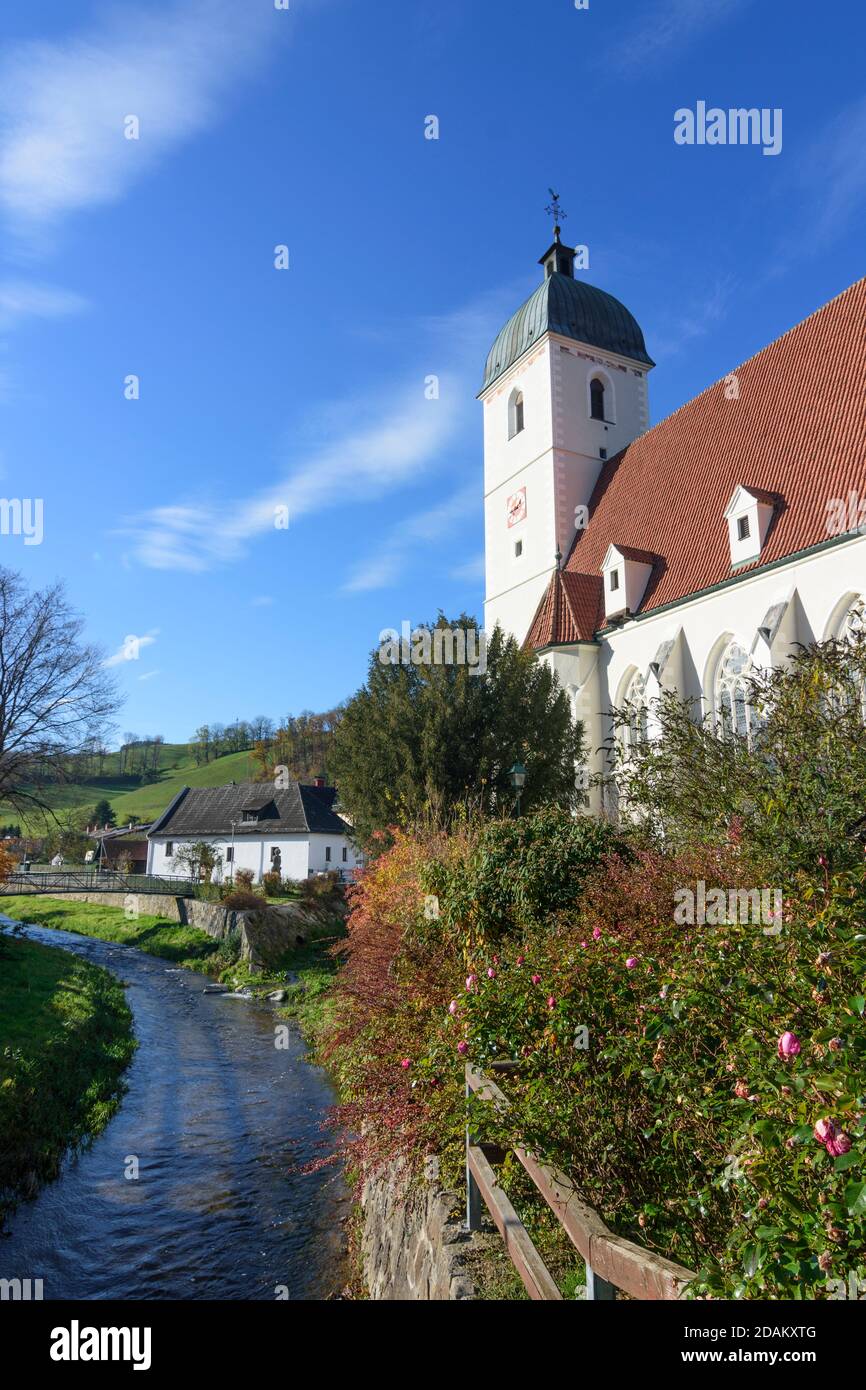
[210,811]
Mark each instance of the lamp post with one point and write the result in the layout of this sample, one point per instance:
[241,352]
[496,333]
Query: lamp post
[518,778]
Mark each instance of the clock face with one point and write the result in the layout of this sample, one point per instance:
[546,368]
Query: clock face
[516,507]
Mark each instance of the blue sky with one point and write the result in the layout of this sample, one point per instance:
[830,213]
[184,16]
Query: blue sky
[305,388]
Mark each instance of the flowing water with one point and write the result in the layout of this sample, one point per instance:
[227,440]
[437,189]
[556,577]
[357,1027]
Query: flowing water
[221,1121]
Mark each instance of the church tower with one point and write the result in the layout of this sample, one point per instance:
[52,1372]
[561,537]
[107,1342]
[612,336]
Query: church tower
[565,387]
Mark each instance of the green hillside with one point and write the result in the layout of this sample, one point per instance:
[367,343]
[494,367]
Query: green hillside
[130,800]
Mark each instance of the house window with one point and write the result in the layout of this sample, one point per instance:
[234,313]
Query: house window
[518,549]
[515,414]
[733,693]
[275,853]
[345,855]
[636,730]
[596,398]
[327,854]
[230,855]
[169,848]
[743,528]
[614,581]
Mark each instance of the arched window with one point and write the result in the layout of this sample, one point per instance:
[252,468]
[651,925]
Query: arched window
[853,629]
[515,414]
[636,731]
[596,398]
[732,694]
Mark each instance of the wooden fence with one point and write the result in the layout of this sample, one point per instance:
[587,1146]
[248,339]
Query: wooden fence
[612,1263]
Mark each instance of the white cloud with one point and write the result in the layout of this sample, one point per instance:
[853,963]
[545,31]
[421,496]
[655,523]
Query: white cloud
[400,547]
[130,648]
[695,322]
[664,28]
[149,675]
[472,571]
[22,300]
[391,442]
[63,104]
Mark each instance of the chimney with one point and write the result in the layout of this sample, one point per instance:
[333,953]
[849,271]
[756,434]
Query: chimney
[318,781]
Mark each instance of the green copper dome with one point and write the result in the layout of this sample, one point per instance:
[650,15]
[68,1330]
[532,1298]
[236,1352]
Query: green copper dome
[574,309]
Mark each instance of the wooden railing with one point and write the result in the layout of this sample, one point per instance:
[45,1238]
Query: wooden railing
[612,1263]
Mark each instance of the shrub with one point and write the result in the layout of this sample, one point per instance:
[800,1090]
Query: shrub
[653,1072]
[243,900]
[272,883]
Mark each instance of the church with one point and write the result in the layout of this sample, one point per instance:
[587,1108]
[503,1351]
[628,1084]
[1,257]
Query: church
[680,557]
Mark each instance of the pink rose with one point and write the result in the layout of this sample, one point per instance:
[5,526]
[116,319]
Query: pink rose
[521,959]
[471,981]
[551,1002]
[452,1007]
[824,1130]
[789,1045]
[631,963]
[462,1047]
[406,1062]
[491,973]
[536,979]
[741,1090]
[583,944]
[495,960]
[596,933]
[840,1144]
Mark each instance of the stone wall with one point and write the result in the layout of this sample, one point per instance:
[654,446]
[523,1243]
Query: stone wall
[414,1245]
[266,933]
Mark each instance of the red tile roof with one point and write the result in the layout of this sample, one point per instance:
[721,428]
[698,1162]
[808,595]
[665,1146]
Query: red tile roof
[797,431]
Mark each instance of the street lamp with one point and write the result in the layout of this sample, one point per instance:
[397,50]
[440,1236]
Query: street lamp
[518,778]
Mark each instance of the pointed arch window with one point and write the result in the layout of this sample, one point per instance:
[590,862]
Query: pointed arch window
[732,694]
[636,730]
[515,414]
[853,629]
[596,398]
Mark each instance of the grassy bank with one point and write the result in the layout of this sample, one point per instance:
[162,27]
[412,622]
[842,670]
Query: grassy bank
[65,1040]
[182,945]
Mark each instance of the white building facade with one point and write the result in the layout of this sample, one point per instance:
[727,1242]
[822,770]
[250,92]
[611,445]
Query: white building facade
[680,557]
[290,830]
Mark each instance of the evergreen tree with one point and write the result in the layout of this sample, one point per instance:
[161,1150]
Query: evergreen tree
[425,737]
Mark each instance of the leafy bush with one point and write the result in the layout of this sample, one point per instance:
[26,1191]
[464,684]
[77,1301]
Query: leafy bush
[651,1071]
[243,900]
[518,872]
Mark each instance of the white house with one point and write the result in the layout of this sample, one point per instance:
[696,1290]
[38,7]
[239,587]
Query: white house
[256,826]
[695,551]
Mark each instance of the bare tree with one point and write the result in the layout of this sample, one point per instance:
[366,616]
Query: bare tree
[55,693]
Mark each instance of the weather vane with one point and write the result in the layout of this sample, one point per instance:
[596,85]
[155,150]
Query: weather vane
[554,210]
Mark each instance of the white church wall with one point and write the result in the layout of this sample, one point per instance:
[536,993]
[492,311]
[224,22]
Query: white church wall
[815,585]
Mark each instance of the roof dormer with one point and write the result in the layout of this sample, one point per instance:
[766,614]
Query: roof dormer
[625,573]
[748,515]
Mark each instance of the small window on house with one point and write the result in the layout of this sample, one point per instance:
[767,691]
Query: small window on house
[328,854]
[614,581]
[230,855]
[743,529]
[518,549]
[596,399]
[275,853]
[169,848]
[515,414]
[345,855]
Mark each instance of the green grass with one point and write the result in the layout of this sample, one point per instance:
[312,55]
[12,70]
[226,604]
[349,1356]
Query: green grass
[129,801]
[182,945]
[65,1040]
[310,1001]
